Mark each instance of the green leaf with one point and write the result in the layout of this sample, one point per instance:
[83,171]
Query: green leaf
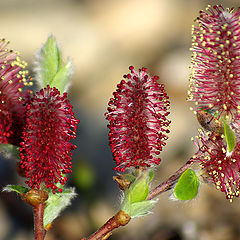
[187,186]
[134,202]
[56,203]
[62,78]
[140,208]
[50,68]
[138,190]
[230,137]
[49,61]
[16,188]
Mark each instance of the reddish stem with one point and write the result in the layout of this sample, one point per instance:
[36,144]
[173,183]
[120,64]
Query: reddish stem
[167,185]
[105,231]
[39,231]
[120,219]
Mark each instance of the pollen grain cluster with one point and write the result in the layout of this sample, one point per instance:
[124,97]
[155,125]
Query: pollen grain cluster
[219,166]
[13,95]
[215,78]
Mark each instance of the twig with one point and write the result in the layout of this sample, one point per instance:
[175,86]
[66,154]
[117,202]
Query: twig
[105,231]
[166,185]
[120,219]
[39,231]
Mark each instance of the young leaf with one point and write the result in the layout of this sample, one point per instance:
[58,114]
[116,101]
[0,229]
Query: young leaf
[139,209]
[230,137]
[187,186]
[49,61]
[56,203]
[62,78]
[135,203]
[139,190]
[16,188]
[49,66]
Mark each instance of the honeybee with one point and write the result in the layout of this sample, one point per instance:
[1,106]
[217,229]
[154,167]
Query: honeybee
[209,122]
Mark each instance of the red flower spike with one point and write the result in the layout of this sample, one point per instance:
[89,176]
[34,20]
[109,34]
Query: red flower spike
[12,94]
[138,121]
[215,79]
[219,166]
[45,150]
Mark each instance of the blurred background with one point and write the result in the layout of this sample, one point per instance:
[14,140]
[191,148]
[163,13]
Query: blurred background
[103,38]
